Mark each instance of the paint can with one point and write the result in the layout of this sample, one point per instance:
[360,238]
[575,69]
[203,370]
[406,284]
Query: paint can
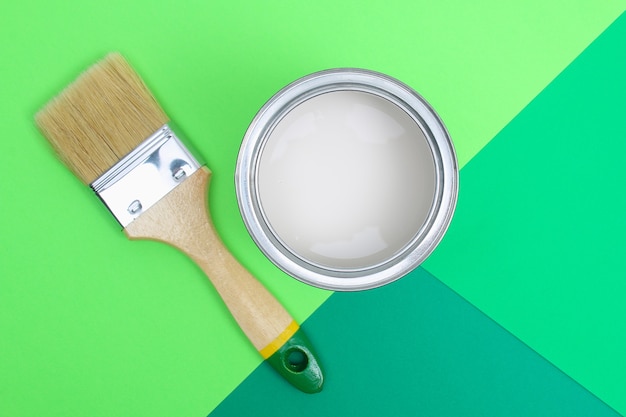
[347,179]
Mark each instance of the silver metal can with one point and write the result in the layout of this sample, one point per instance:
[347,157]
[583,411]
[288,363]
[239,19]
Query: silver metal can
[347,179]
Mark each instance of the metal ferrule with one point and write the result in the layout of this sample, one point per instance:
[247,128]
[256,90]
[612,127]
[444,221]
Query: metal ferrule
[146,175]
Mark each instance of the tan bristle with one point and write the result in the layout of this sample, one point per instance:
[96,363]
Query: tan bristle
[100,117]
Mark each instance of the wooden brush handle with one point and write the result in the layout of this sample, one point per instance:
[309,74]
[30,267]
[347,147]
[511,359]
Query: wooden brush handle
[181,219]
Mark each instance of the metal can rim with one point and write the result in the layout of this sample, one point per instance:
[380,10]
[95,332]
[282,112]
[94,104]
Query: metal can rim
[347,79]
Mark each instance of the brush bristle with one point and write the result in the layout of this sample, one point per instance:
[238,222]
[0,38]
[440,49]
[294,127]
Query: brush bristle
[100,117]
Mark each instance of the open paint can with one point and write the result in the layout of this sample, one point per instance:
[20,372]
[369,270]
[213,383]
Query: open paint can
[347,179]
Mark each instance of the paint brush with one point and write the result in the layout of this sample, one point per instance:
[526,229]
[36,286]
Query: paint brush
[111,132]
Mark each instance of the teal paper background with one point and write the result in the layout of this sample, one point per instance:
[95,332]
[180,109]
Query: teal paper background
[91,323]
[432,355]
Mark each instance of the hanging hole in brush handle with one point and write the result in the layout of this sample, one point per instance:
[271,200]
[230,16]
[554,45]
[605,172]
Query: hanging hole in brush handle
[296,361]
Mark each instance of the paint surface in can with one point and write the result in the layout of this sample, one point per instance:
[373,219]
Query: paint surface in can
[346,180]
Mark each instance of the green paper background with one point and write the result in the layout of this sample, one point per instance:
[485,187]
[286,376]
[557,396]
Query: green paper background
[91,323]
[534,244]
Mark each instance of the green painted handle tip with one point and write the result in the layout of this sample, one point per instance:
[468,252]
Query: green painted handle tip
[296,361]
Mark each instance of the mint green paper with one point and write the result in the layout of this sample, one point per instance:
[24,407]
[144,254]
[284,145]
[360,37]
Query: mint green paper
[538,239]
[93,324]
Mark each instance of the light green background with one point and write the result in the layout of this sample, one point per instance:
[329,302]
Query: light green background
[93,324]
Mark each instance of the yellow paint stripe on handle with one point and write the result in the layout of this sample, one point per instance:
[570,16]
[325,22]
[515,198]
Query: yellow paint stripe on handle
[275,344]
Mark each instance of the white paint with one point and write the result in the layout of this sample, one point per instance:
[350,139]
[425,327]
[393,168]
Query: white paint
[346,180]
